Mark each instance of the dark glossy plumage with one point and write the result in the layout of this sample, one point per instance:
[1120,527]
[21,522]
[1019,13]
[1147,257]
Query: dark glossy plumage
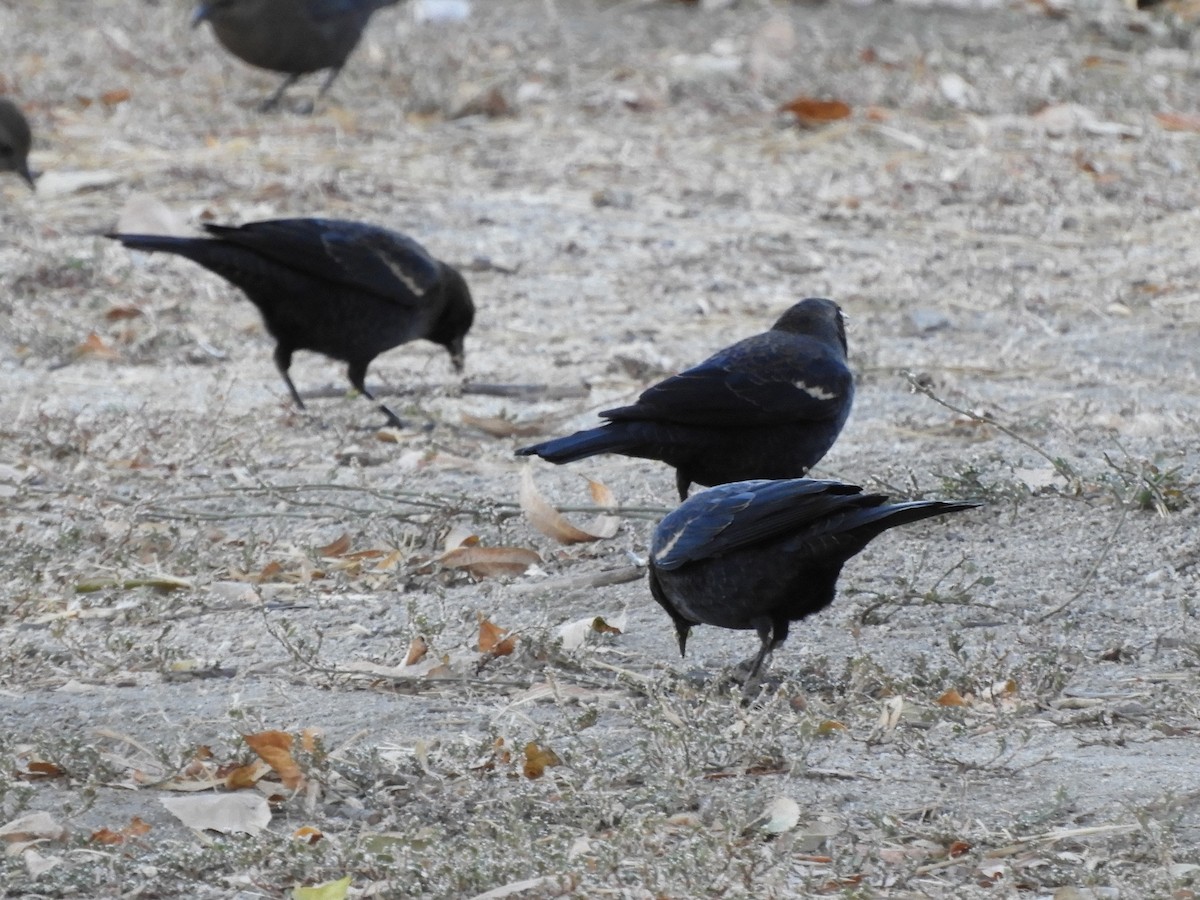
[344,289]
[15,141]
[295,37]
[758,555]
[770,406]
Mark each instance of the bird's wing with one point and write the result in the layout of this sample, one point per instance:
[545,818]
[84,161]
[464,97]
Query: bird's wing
[352,254]
[770,379]
[322,10]
[730,516]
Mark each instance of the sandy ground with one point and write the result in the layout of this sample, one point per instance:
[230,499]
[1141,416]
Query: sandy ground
[1001,704]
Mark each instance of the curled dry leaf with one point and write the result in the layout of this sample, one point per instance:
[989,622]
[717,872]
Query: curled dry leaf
[115,96]
[811,112]
[460,536]
[1178,121]
[120,313]
[488,562]
[275,749]
[550,522]
[306,834]
[243,777]
[94,347]
[493,639]
[951,698]
[498,427]
[417,648]
[337,547]
[538,759]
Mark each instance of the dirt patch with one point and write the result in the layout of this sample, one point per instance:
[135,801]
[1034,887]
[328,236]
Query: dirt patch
[1002,702]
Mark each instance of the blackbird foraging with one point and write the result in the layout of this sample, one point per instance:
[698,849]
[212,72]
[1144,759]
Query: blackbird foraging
[763,554]
[769,406]
[295,37]
[345,289]
[15,141]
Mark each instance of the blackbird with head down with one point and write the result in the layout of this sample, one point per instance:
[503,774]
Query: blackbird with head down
[769,406]
[345,289]
[759,555]
[295,37]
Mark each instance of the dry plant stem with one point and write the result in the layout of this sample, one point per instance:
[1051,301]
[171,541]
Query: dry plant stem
[1087,579]
[917,385]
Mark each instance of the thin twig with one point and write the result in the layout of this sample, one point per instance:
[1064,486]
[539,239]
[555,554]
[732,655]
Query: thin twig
[984,419]
[1087,579]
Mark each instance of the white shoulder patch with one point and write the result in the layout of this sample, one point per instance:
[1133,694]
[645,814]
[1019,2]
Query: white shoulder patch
[402,275]
[817,393]
[669,545]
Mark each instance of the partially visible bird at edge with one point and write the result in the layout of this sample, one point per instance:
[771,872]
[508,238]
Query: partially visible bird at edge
[15,140]
[345,289]
[769,406]
[294,37]
[759,555]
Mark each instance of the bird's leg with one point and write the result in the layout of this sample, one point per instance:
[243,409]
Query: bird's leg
[682,483]
[770,638]
[273,101]
[329,80]
[283,361]
[358,377]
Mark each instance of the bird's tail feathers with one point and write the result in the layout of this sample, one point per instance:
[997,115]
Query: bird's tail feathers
[580,445]
[892,515]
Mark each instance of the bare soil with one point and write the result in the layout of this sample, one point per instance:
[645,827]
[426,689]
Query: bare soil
[1005,703]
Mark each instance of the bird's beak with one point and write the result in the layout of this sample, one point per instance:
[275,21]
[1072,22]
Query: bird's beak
[24,171]
[458,356]
[200,13]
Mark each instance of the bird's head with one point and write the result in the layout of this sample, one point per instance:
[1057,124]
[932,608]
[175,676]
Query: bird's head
[458,314]
[815,317]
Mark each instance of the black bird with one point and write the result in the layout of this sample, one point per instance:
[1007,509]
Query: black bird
[15,140]
[770,406]
[345,289]
[763,554]
[295,37]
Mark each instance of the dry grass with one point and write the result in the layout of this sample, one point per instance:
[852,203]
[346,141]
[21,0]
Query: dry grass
[1005,704]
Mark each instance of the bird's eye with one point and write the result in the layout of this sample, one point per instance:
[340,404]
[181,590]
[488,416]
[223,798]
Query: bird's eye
[6,150]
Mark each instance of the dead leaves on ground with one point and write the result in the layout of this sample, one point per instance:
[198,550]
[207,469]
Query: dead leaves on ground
[550,522]
[811,112]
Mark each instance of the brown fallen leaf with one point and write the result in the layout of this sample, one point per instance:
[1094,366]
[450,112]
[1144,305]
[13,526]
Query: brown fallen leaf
[243,777]
[550,522]
[1178,121]
[811,112]
[337,547]
[951,698]
[307,834]
[117,313]
[93,346]
[115,97]
[538,759]
[493,639]
[488,562]
[417,648]
[498,427]
[275,749]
